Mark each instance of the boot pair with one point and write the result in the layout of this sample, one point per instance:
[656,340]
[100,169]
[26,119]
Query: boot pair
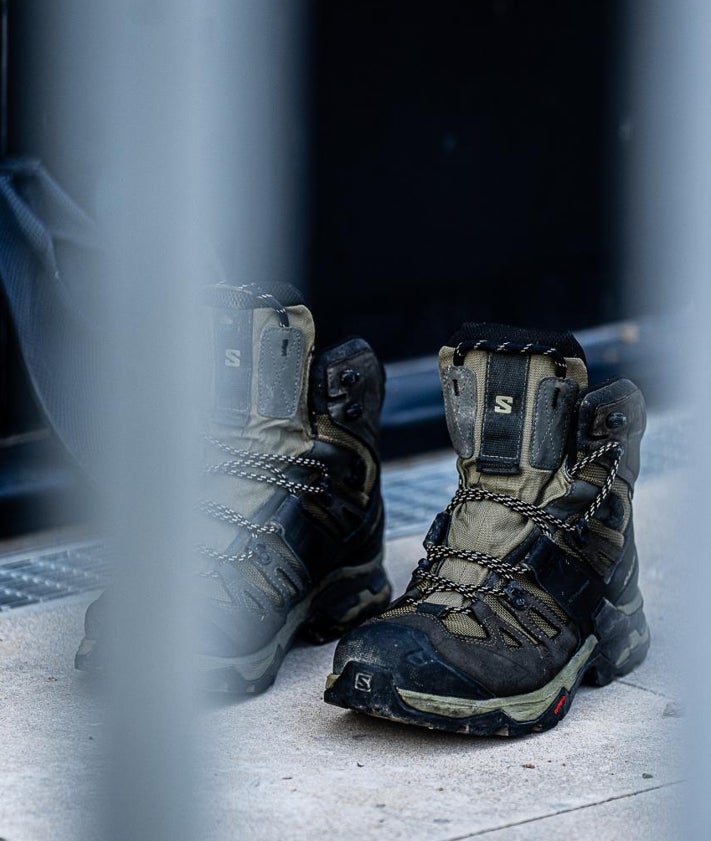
[529,581]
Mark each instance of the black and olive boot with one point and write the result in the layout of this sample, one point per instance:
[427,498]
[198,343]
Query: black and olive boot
[293,525]
[530,581]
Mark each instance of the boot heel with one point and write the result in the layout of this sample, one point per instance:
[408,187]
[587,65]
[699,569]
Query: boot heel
[624,641]
[354,595]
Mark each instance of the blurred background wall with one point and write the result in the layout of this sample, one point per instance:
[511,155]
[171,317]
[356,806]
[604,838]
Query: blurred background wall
[447,162]
[463,159]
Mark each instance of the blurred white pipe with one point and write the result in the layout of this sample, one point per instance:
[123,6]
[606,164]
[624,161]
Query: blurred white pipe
[670,255]
[149,203]
[201,125]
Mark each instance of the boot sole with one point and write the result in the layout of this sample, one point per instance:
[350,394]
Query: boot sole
[347,597]
[371,690]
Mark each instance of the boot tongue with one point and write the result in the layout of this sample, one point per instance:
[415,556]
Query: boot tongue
[499,384]
[509,396]
[261,341]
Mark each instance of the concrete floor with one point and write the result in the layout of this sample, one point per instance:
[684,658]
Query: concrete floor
[287,766]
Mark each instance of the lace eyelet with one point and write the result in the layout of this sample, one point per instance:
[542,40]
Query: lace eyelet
[353,411]
[516,595]
[349,377]
[582,532]
[261,554]
[615,420]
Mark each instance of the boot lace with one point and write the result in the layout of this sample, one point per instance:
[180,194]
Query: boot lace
[244,464]
[428,582]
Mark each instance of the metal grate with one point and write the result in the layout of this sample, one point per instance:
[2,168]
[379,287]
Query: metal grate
[414,493]
[43,575]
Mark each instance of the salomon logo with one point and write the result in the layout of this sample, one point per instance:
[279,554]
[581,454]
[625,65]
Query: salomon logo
[233,358]
[503,404]
[362,681]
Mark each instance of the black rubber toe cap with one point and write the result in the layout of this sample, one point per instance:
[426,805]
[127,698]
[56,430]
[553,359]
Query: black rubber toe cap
[407,654]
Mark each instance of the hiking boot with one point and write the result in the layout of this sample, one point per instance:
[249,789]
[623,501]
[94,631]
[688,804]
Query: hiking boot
[529,584]
[293,525]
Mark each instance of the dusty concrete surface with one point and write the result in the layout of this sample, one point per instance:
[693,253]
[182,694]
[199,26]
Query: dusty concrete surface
[51,728]
[287,766]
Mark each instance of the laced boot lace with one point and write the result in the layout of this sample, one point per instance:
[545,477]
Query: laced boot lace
[428,582]
[244,464]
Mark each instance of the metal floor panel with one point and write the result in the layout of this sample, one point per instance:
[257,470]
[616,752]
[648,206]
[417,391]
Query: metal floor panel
[31,577]
[414,493]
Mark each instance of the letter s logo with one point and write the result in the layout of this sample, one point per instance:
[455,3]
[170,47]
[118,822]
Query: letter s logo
[233,357]
[504,404]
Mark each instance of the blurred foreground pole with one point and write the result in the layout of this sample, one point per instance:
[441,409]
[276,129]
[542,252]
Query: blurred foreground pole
[149,201]
[199,96]
[690,223]
[671,208]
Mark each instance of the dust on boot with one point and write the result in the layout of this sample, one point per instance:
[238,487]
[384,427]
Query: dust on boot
[529,584]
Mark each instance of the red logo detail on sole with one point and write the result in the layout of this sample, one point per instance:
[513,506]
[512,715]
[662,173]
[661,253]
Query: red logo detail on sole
[559,705]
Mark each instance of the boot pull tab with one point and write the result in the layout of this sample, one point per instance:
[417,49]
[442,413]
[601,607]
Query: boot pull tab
[552,411]
[281,358]
[460,402]
[529,349]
